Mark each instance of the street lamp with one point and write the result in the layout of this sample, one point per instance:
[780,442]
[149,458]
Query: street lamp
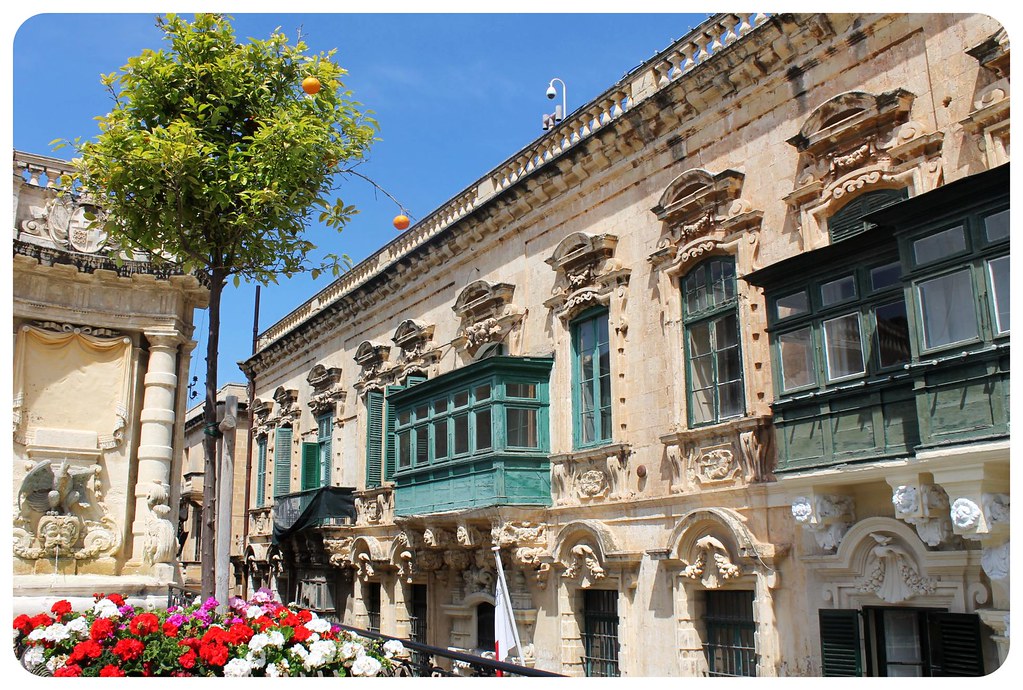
[549,121]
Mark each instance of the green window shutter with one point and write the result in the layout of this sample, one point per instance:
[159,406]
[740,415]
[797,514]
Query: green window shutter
[955,648]
[260,472]
[310,465]
[840,642]
[412,380]
[390,420]
[848,220]
[282,461]
[374,437]
[325,460]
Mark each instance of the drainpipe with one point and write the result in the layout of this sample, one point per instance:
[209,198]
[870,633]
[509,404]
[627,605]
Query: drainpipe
[251,376]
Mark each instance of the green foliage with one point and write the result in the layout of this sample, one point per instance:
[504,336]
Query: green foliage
[214,158]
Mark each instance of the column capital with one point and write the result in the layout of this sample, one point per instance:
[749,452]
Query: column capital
[163,339]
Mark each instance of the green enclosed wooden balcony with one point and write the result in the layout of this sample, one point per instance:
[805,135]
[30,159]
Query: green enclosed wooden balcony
[474,437]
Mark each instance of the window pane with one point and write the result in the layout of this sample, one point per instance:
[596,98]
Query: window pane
[483,433]
[521,425]
[702,402]
[461,399]
[422,412]
[702,369]
[461,434]
[996,226]
[482,392]
[843,346]
[696,289]
[605,423]
[729,368]
[520,390]
[947,307]
[422,444]
[605,391]
[940,245]
[588,432]
[404,417]
[838,290]
[699,339]
[726,332]
[404,451]
[792,305]
[730,395]
[885,276]
[440,406]
[999,270]
[892,334]
[440,439]
[797,359]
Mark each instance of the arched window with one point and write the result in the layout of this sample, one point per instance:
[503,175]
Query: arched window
[713,356]
[848,220]
[591,375]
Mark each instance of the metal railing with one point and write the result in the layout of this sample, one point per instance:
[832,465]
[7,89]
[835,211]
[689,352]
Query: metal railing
[181,596]
[428,661]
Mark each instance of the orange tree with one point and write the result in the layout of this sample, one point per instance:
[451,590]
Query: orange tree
[215,159]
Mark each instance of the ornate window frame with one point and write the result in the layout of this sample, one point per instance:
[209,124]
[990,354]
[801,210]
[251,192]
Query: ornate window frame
[419,354]
[988,121]
[855,142]
[487,315]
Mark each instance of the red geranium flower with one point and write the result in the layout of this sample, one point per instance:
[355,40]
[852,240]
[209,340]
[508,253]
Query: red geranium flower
[190,642]
[262,623]
[239,633]
[23,624]
[116,598]
[302,633]
[305,616]
[170,630]
[111,671]
[143,624]
[69,671]
[215,635]
[61,608]
[291,620]
[41,620]
[129,648]
[213,654]
[187,660]
[101,628]
[87,649]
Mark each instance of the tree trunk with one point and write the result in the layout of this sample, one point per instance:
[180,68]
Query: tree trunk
[210,436]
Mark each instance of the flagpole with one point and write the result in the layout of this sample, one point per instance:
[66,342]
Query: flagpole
[507,603]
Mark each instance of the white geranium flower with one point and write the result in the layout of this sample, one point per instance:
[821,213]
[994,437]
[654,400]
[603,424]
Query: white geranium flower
[300,651]
[318,625]
[258,641]
[197,602]
[79,626]
[36,635]
[55,662]
[33,657]
[273,671]
[365,665]
[237,668]
[325,648]
[350,650]
[104,608]
[276,638]
[253,612]
[393,648]
[256,659]
[57,632]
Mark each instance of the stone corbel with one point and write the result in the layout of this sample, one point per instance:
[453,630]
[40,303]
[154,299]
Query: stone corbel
[437,538]
[926,507]
[468,536]
[405,555]
[339,551]
[584,563]
[826,517]
[981,520]
[528,544]
[995,561]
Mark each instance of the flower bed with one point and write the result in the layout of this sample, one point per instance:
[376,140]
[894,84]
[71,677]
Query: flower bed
[260,637]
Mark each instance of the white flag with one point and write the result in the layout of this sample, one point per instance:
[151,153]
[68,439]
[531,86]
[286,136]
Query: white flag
[504,633]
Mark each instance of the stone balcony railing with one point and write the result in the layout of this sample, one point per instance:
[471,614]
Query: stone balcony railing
[41,171]
[695,48]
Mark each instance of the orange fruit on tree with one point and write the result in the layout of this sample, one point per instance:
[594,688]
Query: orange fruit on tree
[311,85]
[401,221]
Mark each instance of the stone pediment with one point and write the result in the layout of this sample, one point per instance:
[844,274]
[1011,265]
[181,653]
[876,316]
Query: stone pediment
[587,273]
[287,405]
[326,390]
[372,357]
[418,353]
[487,315]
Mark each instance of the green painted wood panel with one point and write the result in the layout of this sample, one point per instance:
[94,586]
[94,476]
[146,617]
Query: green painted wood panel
[374,437]
[282,461]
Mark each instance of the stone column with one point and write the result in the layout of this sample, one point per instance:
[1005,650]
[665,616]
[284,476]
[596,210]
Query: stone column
[153,532]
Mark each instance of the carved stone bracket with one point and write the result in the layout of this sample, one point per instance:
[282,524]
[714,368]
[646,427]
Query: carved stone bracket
[826,517]
[435,537]
[979,521]
[528,544]
[712,565]
[587,273]
[995,561]
[327,393]
[599,474]
[487,315]
[926,507]
[468,536]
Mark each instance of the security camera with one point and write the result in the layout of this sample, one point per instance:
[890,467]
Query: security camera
[551,93]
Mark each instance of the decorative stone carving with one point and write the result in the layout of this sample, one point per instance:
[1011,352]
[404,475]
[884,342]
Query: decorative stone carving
[755,446]
[404,547]
[287,406]
[456,560]
[467,536]
[327,393]
[64,221]
[723,567]
[339,551]
[364,566]
[261,411]
[965,514]
[487,315]
[698,211]
[161,542]
[925,507]
[374,506]
[584,561]
[528,542]
[712,466]
[592,475]
[429,561]
[418,353]
[996,507]
[854,141]
[995,561]
[480,575]
[988,122]
[587,273]
[372,358]
[437,538]
[827,518]
[894,576]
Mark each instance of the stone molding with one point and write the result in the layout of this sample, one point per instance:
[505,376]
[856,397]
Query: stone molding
[587,274]
[856,142]
[261,417]
[600,474]
[418,353]
[487,315]
[288,411]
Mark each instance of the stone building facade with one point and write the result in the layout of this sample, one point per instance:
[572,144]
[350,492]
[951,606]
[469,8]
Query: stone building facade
[100,347]
[708,413]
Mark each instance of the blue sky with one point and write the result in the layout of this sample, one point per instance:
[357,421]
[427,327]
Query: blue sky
[455,95]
